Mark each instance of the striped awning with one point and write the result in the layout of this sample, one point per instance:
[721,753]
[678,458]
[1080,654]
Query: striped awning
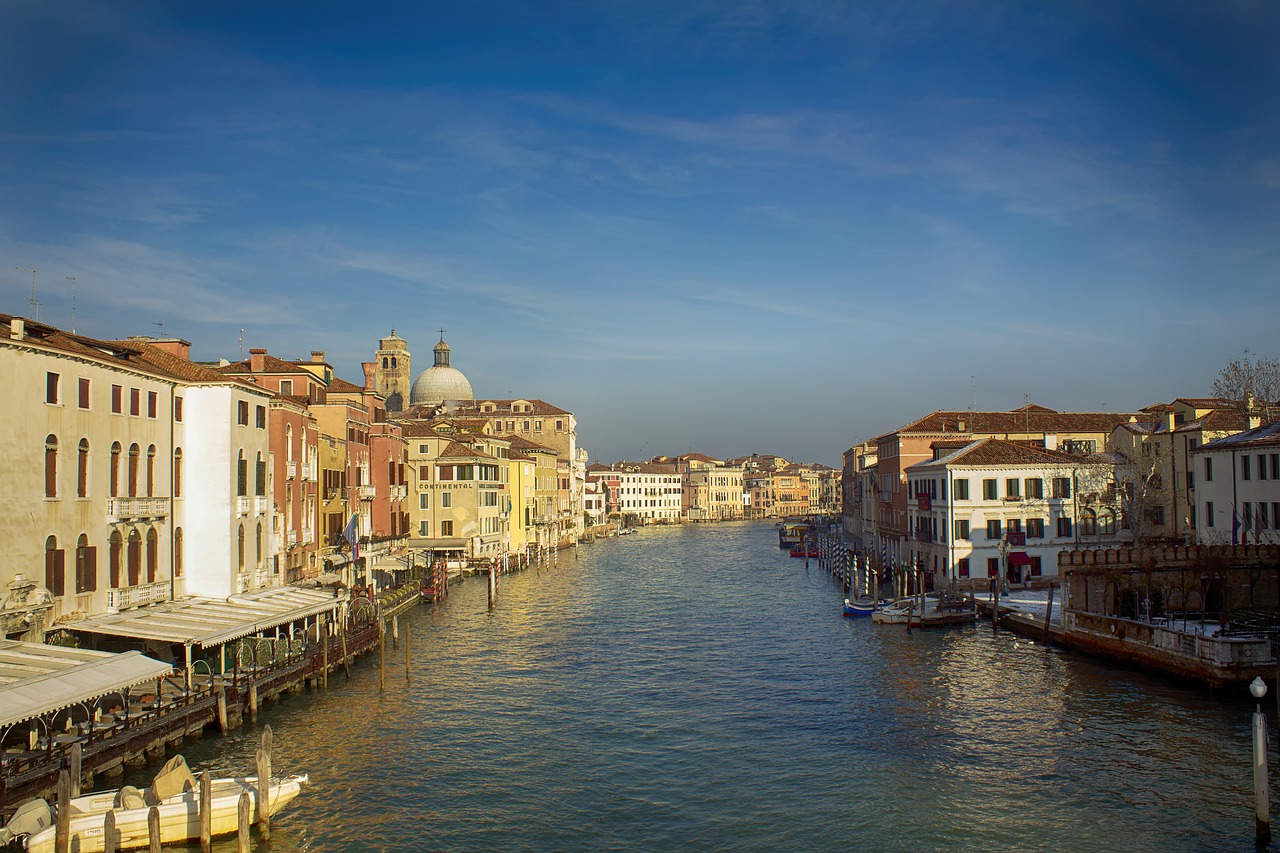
[36,679]
[212,621]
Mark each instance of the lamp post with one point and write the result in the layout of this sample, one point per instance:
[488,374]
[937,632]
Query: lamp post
[1261,794]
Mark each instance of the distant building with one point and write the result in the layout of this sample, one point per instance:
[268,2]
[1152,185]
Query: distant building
[1238,486]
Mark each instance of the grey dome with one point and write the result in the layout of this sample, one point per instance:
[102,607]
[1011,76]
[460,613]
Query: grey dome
[440,382]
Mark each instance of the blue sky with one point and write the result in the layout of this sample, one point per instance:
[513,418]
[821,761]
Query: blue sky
[774,227]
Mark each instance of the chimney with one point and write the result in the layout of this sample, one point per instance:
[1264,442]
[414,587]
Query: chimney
[1050,442]
[369,368]
[1169,420]
[174,346]
[1251,417]
[17,328]
[257,360]
[960,425]
[317,356]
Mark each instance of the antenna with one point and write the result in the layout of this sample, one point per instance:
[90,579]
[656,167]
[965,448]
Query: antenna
[72,279]
[242,344]
[35,305]
[973,390]
[160,326]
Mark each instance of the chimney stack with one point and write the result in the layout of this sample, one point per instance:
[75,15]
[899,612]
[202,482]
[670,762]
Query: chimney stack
[317,356]
[257,360]
[17,328]
[369,368]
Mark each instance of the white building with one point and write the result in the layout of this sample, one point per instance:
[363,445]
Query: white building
[647,491]
[991,503]
[1238,487]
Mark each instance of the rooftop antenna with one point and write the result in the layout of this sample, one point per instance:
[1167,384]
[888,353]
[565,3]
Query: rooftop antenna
[35,305]
[72,279]
[160,326]
[242,344]
[973,390]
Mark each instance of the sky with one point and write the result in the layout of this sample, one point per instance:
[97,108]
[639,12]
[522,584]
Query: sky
[727,227]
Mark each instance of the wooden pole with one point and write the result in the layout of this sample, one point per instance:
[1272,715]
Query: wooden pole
[1261,788]
[62,832]
[346,661]
[395,633]
[153,828]
[223,726]
[77,768]
[493,586]
[382,657]
[206,811]
[264,786]
[1048,611]
[253,698]
[408,679]
[109,834]
[243,821]
[324,656]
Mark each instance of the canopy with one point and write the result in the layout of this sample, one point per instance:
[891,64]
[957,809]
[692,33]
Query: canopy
[36,679]
[1019,558]
[212,621]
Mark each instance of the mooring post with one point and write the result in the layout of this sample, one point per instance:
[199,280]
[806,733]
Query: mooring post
[382,657]
[62,832]
[493,586]
[1048,612]
[109,834]
[264,786]
[395,633]
[76,762]
[1261,786]
[223,724]
[243,822]
[253,698]
[324,657]
[206,812]
[153,828]
[407,678]
[346,661]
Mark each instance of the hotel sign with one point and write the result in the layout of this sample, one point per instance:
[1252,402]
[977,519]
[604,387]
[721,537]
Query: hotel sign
[922,501]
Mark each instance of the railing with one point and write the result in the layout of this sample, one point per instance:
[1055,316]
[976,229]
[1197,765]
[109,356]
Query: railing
[260,579]
[121,508]
[291,469]
[261,505]
[244,504]
[242,583]
[366,493]
[308,535]
[292,537]
[136,596]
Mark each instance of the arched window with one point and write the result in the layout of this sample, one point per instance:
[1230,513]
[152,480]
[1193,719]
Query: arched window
[1107,522]
[177,473]
[151,471]
[153,554]
[288,442]
[260,476]
[258,562]
[50,466]
[115,544]
[135,454]
[242,476]
[177,553]
[82,470]
[54,567]
[86,566]
[384,362]
[134,557]
[115,469]
[241,547]
[393,362]
[1088,523]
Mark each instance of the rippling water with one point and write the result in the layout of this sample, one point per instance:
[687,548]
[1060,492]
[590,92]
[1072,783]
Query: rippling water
[694,688]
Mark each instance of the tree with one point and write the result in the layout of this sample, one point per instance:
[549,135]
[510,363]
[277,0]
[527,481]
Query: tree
[1252,378]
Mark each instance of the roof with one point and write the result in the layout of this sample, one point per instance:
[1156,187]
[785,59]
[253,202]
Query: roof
[211,621]
[36,679]
[1000,452]
[521,443]
[457,449]
[1026,419]
[270,364]
[342,386]
[181,368]
[1266,435]
[503,407]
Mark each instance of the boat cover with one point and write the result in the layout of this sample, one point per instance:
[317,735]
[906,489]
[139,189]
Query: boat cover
[174,778]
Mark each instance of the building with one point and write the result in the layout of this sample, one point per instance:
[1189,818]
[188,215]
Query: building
[1238,486]
[392,376]
[647,492]
[441,383]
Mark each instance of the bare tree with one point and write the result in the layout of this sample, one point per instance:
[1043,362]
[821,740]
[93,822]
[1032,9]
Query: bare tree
[1253,378]
[1130,481]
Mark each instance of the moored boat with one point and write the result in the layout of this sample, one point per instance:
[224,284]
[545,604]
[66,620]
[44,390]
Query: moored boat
[798,550]
[863,605]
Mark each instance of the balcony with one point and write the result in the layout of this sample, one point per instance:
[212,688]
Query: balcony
[291,469]
[291,537]
[136,596]
[366,493]
[244,504]
[308,535]
[261,505]
[261,579]
[119,509]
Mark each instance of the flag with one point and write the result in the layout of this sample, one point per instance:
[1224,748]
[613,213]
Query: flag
[1235,527]
[351,534]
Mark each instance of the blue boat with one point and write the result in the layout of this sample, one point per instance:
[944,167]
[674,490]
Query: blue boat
[863,605]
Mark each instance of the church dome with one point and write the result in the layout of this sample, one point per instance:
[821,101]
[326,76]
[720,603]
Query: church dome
[440,382]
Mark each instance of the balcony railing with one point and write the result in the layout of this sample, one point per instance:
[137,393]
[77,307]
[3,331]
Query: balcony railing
[291,469]
[261,505]
[308,535]
[244,504]
[366,493]
[260,579]
[136,596]
[122,508]
[291,537]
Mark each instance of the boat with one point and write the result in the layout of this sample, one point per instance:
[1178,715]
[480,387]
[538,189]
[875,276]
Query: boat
[937,610]
[798,550]
[814,552]
[792,534]
[176,794]
[896,612]
[863,605]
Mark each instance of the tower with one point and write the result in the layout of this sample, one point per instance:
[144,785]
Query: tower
[391,374]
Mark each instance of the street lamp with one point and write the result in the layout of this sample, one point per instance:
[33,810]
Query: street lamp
[1261,794]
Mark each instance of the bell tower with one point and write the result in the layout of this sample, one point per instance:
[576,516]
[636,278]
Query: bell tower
[392,376]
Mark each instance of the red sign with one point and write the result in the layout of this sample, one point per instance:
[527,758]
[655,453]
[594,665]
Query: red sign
[1018,538]
[922,501]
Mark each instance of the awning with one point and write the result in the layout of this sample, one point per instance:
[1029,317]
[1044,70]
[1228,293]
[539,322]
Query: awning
[36,679]
[1019,558]
[211,621]
[337,559]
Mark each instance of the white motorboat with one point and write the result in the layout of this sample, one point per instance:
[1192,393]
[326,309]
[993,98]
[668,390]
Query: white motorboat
[176,794]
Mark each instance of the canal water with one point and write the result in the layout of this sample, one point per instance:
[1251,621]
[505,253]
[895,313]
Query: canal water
[694,688]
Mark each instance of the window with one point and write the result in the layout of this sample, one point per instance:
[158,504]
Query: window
[151,471]
[240,547]
[1064,528]
[52,381]
[993,566]
[1208,513]
[242,476]
[964,567]
[1208,469]
[1015,525]
[1062,487]
[177,409]
[86,566]
[1036,567]
[115,544]
[424,529]
[444,472]
[1156,515]
[1275,466]
[1035,488]
[84,393]
[962,528]
[1244,467]
[261,417]
[135,454]
[135,402]
[177,553]
[446,528]
[961,490]
[50,466]
[242,413]
[260,476]
[177,473]
[133,558]
[1012,487]
[1262,466]
[559,426]
[116,405]
[55,575]
[153,554]
[257,547]
[82,470]
[446,500]
[153,400]
[989,490]
[115,469]
[525,426]
[537,426]
[1088,523]
[286,387]
[993,528]
[424,500]
[1035,528]
[1107,523]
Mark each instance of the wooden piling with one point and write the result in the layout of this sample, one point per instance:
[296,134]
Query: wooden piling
[264,786]
[395,633]
[153,828]
[77,768]
[109,834]
[324,657]
[206,812]
[493,586]
[253,698]
[408,679]
[62,831]
[1048,611]
[382,657]
[346,660]
[243,822]
[223,724]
